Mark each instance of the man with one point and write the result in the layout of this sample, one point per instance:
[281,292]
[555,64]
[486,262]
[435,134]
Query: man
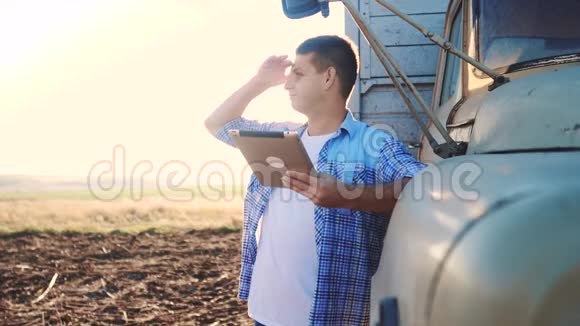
[322,235]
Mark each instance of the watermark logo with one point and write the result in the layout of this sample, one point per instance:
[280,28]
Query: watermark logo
[216,180]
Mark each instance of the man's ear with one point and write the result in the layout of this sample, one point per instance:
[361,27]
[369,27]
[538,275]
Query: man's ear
[330,78]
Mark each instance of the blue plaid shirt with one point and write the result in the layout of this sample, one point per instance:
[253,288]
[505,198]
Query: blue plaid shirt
[348,242]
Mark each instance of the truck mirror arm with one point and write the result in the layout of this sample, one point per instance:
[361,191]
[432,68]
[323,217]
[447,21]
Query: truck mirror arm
[498,79]
[449,148]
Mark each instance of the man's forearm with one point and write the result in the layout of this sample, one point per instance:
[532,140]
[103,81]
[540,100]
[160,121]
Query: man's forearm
[235,105]
[378,198]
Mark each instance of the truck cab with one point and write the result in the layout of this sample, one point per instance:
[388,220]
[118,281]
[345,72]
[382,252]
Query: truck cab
[491,237]
[536,44]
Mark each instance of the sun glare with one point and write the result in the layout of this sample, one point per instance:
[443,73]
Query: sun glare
[79,77]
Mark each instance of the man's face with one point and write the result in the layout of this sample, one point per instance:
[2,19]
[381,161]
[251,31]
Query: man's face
[305,84]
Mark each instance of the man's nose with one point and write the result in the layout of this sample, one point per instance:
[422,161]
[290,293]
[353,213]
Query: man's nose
[289,84]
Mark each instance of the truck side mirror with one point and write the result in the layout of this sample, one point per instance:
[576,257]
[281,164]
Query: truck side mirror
[296,9]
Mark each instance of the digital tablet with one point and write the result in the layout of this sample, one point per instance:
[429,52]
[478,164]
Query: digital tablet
[271,153]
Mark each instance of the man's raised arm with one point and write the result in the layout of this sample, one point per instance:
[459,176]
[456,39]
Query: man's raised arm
[270,74]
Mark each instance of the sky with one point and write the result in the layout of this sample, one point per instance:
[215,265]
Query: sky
[78,78]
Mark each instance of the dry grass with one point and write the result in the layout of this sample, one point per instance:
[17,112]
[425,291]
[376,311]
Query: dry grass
[44,213]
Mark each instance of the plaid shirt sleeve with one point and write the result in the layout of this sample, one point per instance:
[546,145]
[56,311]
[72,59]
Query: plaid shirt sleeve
[395,162]
[252,125]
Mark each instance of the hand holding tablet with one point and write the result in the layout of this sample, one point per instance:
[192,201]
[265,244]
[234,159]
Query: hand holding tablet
[271,153]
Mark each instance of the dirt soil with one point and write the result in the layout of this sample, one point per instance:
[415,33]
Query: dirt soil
[168,278]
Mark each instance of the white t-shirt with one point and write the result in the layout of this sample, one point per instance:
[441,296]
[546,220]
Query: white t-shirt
[286,267]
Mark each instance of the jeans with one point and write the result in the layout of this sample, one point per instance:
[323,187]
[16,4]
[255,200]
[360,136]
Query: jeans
[258,323]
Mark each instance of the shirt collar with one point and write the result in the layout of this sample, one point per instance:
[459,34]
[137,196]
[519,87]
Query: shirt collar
[348,124]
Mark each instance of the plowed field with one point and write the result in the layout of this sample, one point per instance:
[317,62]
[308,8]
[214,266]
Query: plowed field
[147,278]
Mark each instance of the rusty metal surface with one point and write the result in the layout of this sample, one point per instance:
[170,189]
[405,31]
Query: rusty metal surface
[425,225]
[518,266]
[538,110]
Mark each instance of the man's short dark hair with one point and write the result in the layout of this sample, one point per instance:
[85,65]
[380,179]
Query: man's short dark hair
[333,51]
